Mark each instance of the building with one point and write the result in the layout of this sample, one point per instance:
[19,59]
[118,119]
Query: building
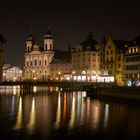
[131,71]
[86,61]
[12,73]
[114,59]
[2,42]
[61,66]
[37,58]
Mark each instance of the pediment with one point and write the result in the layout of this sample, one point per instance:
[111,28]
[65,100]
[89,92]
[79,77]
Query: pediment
[35,52]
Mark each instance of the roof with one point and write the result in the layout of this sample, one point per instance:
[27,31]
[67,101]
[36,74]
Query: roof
[119,43]
[2,39]
[30,36]
[62,55]
[89,42]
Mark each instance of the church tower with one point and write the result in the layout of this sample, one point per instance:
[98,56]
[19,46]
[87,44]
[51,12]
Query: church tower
[29,42]
[48,41]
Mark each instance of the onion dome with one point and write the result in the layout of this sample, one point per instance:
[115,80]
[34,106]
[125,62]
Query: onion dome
[48,34]
[30,36]
[89,43]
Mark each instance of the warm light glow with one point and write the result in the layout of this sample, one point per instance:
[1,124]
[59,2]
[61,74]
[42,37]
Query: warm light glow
[58,114]
[73,72]
[34,89]
[106,113]
[34,78]
[32,117]
[19,115]
[72,116]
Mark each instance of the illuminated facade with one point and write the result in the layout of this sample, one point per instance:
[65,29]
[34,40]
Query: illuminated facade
[85,61]
[131,70]
[38,59]
[12,73]
[113,59]
[60,71]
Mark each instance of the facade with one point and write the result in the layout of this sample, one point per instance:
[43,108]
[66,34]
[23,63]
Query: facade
[2,42]
[131,70]
[85,61]
[12,73]
[60,71]
[38,59]
[61,66]
[113,59]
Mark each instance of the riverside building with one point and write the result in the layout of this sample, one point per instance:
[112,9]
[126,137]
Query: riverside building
[86,61]
[131,72]
[37,58]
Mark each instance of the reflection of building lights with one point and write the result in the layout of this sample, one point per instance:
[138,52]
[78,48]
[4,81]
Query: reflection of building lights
[19,115]
[72,116]
[58,114]
[32,116]
[16,90]
[84,94]
[64,107]
[96,111]
[106,114]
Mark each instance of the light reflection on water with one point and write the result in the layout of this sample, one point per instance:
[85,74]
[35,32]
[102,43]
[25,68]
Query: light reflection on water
[44,112]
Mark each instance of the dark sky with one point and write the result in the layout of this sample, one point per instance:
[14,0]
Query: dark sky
[70,22]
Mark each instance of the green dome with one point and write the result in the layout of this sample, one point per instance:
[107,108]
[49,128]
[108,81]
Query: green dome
[48,34]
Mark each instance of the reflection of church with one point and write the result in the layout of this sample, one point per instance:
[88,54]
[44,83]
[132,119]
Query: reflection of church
[38,59]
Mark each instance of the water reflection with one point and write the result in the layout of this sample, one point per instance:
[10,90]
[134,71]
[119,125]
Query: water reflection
[72,114]
[18,124]
[66,113]
[106,113]
[58,114]
[32,117]
[95,114]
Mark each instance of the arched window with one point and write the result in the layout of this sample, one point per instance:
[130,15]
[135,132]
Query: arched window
[51,47]
[35,62]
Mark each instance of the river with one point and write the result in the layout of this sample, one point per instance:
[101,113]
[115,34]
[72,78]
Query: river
[51,114]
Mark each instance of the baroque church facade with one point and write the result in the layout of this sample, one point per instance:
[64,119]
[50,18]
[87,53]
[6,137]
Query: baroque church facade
[37,58]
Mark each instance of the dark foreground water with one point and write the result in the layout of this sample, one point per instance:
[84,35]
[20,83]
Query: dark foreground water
[65,115]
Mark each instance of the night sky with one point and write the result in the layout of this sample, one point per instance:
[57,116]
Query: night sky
[69,20]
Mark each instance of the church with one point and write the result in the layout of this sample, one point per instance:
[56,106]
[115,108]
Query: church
[37,58]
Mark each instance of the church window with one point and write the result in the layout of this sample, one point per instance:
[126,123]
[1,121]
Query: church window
[40,62]
[35,62]
[27,63]
[45,46]
[45,62]
[31,63]
[51,47]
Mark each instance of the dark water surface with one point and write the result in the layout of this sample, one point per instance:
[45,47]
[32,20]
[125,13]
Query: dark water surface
[65,115]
